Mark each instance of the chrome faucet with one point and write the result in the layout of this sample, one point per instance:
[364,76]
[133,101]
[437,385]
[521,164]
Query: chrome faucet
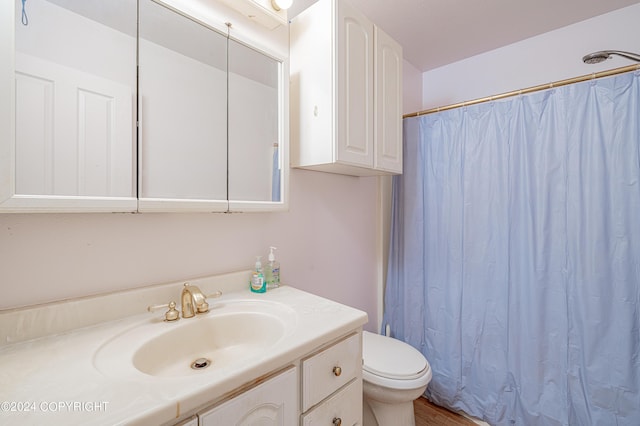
[193,301]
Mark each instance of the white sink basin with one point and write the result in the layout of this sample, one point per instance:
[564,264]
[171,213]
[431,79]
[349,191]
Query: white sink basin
[230,334]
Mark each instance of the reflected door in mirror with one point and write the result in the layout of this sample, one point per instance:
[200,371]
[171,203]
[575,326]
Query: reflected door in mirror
[75,90]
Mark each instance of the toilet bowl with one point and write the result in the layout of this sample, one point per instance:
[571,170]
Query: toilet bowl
[394,374]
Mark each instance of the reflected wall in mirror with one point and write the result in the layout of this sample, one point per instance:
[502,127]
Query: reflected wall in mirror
[254,134]
[212,117]
[183,107]
[75,88]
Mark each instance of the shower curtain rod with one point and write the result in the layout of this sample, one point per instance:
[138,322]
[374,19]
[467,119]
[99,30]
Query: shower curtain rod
[586,77]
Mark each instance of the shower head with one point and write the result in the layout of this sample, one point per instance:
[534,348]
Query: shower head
[597,57]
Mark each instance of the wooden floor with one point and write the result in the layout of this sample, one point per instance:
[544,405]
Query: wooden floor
[428,414]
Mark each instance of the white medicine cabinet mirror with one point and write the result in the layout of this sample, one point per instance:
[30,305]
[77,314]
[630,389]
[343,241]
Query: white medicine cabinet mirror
[183,112]
[71,118]
[256,127]
[136,105]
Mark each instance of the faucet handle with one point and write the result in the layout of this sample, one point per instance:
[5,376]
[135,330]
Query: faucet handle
[204,306]
[171,315]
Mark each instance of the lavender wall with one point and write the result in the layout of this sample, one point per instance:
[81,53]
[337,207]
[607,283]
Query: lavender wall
[412,88]
[326,245]
[552,56]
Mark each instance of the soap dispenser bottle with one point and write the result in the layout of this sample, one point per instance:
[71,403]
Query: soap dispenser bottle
[258,283]
[272,272]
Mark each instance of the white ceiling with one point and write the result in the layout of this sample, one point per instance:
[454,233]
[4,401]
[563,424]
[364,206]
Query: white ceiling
[434,33]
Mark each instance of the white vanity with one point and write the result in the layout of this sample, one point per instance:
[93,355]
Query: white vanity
[330,392]
[105,360]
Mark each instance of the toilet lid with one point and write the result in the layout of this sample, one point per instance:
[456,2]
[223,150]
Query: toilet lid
[392,358]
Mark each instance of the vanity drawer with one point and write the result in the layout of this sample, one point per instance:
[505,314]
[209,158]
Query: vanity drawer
[327,371]
[344,408]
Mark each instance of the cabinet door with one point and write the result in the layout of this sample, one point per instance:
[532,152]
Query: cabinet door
[70,144]
[257,129]
[183,113]
[355,87]
[388,103]
[272,403]
[312,91]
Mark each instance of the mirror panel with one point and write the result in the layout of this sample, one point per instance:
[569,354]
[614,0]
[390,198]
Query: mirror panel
[75,90]
[183,107]
[255,136]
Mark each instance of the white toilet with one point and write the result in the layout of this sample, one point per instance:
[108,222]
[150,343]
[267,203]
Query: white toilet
[394,374]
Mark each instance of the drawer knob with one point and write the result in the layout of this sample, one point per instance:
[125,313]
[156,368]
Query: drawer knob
[337,371]
[337,421]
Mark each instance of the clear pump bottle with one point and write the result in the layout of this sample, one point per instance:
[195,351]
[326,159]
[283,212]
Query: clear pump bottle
[272,271]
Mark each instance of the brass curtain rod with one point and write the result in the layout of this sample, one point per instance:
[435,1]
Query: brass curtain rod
[586,77]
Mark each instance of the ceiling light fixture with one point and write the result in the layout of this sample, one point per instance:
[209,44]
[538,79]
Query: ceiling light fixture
[281,4]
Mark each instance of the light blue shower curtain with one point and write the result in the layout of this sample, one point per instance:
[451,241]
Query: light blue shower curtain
[515,255]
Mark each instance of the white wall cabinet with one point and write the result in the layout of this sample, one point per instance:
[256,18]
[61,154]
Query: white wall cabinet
[346,93]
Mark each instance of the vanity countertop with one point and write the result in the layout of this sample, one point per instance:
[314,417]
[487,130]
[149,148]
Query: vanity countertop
[53,379]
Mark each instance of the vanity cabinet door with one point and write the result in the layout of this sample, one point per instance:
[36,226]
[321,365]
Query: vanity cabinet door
[272,403]
[183,113]
[69,141]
